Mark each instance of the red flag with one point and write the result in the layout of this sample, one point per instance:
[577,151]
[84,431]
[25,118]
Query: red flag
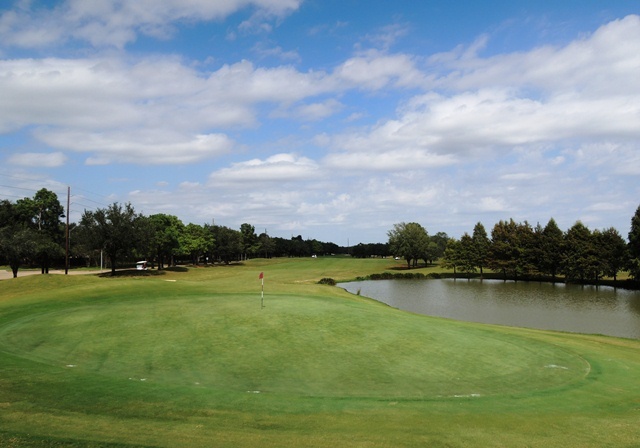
[261,276]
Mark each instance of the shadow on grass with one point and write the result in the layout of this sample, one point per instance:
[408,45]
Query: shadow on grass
[216,265]
[176,269]
[131,273]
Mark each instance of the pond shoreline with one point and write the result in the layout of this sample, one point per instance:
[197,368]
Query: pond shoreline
[559,306]
[630,284]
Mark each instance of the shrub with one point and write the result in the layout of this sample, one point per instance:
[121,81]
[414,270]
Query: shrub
[327,281]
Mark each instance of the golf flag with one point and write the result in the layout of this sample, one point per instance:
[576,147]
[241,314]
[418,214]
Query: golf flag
[261,277]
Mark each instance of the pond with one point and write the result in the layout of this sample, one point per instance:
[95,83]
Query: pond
[547,306]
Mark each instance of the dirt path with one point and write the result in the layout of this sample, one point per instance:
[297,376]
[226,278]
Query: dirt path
[7,274]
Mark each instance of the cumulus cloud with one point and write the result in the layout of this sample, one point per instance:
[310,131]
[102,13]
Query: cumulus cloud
[150,148]
[117,23]
[388,161]
[374,70]
[279,168]
[588,89]
[597,64]
[460,134]
[317,111]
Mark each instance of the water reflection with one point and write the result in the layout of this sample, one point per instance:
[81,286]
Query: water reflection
[574,308]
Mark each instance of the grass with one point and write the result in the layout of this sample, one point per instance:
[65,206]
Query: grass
[189,358]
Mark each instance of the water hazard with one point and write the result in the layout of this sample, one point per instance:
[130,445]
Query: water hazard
[547,306]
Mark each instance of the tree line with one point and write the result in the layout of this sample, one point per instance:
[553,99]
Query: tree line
[32,233]
[522,251]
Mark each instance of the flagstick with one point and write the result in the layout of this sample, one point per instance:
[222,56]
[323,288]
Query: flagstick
[261,277]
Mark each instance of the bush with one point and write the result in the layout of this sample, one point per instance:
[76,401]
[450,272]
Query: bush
[327,281]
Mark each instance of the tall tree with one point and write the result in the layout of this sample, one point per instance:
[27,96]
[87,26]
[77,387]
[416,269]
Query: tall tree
[468,256]
[266,245]
[114,230]
[551,242]
[228,243]
[452,256]
[526,240]
[17,240]
[612,249]
[634,245]
[249,239]
[165,239]
[580,259]
[43,213]
[7,213]
[409,241]
[481,246]
[17,245]
[195,241]
[505,248]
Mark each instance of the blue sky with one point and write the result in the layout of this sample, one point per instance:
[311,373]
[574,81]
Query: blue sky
[322,118]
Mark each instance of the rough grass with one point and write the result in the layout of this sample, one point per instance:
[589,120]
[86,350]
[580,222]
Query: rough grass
[192,359]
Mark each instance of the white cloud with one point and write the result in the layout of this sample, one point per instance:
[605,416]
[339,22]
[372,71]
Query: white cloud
[491,204]
[390,160]
[317,111]
[617,158]
[374,70]
[264,50]
[279,168]
[590,91]
[148,148]
[36,159]
[385,37]
[528,135]
[602,63]
[117,23]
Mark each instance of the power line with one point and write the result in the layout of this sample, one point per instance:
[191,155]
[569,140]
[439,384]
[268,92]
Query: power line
[87,191]
[11,195]
[84,198]
[19,188]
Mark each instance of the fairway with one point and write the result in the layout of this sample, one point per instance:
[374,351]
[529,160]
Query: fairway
[190,358]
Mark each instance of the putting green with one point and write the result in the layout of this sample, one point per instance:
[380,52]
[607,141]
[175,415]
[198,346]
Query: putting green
[297,345]
[120,362]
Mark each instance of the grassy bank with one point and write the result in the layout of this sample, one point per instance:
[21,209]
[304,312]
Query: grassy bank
[190,358]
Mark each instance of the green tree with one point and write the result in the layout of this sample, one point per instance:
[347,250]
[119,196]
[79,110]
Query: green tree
[114,230]
[195,241]
[315,247]
[526,250]
[249,240]
[17,244]
[634,245]
[266,245]
[165,237]
[452,256]
[228,243]
[467,257]
[551,243]
[7,213]
[580,259]
[613,252]
[440,239]
[505,248]
[409,241]
[43,213]
[431,253]
[481,245]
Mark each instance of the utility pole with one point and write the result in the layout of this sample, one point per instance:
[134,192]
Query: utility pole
[66,262]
